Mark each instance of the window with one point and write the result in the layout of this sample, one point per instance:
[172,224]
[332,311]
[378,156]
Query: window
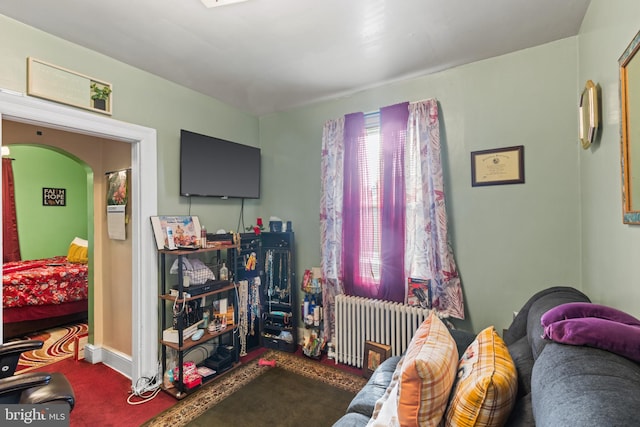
[369,257]
[382,181]
[377,164]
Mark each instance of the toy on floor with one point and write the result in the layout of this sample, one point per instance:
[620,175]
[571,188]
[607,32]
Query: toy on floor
[265,362]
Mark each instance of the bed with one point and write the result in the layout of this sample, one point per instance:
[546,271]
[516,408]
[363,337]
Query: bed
[43,293]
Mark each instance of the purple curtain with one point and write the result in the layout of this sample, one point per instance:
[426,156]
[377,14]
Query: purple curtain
[407,194]
[359,204]
[354,139]
[393,129]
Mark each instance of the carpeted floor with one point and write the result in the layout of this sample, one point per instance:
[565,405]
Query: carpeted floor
[298,385]
[102,396]
[58,345]
[279,398]
[240,388]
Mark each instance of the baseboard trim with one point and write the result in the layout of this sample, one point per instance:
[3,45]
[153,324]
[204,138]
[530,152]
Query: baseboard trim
[112,358]
[92,354]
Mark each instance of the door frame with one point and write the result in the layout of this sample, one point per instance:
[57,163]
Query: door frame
[144,201]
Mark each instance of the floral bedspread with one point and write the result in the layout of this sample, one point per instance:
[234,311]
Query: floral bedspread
[43,282]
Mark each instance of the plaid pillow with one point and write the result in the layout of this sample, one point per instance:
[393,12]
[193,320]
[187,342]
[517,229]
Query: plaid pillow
[487,384]
[427,374]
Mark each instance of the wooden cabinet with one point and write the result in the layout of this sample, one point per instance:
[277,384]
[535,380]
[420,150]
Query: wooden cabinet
[182,310]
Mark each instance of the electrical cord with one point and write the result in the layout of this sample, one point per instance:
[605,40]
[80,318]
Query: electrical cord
[175,304]
[241,217]
[146,391]
[146,397]
[150,389]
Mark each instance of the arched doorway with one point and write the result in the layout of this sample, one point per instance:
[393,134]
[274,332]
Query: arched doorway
[143,359]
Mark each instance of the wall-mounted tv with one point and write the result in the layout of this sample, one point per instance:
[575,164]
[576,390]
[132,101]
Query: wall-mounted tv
[214,167]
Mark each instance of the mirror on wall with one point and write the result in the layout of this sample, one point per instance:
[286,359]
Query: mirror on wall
[630,128]
[589,114]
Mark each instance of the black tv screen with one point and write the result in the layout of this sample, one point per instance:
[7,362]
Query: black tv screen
[214,167]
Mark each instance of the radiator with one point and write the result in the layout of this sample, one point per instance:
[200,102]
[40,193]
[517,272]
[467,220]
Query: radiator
[361,319]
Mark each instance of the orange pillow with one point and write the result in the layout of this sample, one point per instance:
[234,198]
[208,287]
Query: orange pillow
[427,374]
[487,384]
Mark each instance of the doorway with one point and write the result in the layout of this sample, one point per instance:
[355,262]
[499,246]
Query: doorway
[142,362]
[49,231]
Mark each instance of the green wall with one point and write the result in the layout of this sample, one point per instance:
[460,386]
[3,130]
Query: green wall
[562,227]
[609,260]
[47,231]
[145,99]
[509,240]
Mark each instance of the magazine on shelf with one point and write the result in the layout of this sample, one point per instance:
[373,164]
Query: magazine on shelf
[185,230]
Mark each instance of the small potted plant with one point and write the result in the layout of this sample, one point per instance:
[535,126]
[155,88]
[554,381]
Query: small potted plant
[99,95]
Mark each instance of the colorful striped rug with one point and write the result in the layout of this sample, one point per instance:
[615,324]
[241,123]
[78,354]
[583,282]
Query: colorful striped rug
[58,345]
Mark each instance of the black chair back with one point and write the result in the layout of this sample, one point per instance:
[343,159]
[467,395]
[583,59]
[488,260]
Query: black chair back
[10,354]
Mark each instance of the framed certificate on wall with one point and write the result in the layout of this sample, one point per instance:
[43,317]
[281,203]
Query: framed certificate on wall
[497,166]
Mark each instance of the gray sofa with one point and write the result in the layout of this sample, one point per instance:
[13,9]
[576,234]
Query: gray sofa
[558,385]
[361,407]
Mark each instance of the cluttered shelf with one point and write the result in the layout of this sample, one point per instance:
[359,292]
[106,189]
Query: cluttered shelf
[198,298]
[213,376]
[211,246]
[172,298]
[189,342]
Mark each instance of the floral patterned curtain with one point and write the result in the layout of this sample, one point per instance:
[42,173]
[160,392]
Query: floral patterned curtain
[331,218]
[428,254]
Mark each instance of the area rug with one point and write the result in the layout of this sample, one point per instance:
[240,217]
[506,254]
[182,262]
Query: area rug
[58,345]
[187,411]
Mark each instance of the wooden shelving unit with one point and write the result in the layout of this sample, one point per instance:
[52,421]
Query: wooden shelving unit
[184,344]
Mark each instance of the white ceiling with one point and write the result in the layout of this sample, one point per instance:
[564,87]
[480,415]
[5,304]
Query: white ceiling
[271,55]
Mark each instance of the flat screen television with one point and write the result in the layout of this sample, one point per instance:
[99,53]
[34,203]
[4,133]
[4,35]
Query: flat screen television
[214,167]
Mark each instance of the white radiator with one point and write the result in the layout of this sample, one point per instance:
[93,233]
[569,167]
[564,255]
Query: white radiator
[361,319]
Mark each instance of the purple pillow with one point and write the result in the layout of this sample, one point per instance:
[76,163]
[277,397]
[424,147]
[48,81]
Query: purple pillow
[574,310]
[605,334]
